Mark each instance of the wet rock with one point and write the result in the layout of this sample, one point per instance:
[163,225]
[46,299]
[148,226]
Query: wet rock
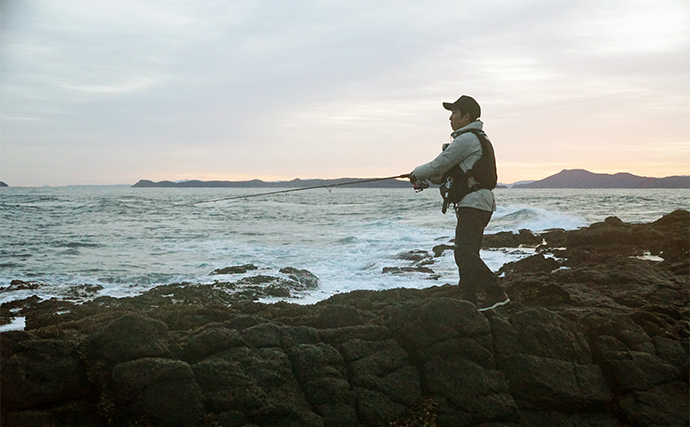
[40,372]
[438,320]
[542,333]
[415,256]
[564,419]
[322,371]
[211,341]
[552,384]
[438,250]
[633,370]
[84,291]
[21,285]
[131,336]
[304,278]
[235,269]
[157,391]
[665,405]
[78,413]
[399,270]
[337,316]
[263,335]
[509,239]
[468,393]
[384,368]
[257,383]
[534,264]
[407,270]
[548,362]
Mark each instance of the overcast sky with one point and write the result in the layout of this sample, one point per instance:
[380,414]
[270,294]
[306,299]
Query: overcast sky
[110,92]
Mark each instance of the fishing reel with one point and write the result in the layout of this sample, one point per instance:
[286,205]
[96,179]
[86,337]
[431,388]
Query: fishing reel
[420,185]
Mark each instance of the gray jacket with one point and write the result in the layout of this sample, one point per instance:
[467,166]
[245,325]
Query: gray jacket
[465,150]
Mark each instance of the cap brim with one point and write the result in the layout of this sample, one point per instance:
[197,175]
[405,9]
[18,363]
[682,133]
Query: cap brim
[448,105]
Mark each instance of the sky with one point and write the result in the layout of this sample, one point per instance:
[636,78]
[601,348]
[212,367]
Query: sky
[110,92]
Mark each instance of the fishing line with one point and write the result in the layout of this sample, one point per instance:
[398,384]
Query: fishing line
[329,186]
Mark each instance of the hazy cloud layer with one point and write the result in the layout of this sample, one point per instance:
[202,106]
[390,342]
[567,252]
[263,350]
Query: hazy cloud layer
[111,92]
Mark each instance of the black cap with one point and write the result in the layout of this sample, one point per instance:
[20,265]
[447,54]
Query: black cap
[466,104]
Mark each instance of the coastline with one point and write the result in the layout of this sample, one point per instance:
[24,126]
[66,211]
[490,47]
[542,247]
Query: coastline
[596,333]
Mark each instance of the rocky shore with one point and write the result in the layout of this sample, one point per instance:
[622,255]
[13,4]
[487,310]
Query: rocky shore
[596,335]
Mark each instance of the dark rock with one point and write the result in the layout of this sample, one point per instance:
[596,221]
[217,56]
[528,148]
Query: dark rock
[676,218]
[294,335]
[385,368]
[10,309]
[243,321]
[84,291]
[548,362]
[304,278]
[40,372]
[534,264]
[20,285]
[416,255]
[401,270]
[347,333]
[441,319]
[438,250]
[552,384]
[260,279]
[564,419]
[211,341]
[337,316]
[78,413]
[256,382]
[322,372]
[263,335]
[132,336]
[508,239]
[633,370]
[542,333]
[467,393]
[11,342]
[236,269]
[665,405]
[375,408]
[158,391]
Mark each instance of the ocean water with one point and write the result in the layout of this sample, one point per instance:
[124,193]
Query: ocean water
[131,239]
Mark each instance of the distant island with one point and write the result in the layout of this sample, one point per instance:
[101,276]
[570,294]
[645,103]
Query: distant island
[567,178]
[580,178]
[2,184]
[257,183]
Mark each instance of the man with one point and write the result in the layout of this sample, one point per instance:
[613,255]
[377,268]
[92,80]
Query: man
[474,210]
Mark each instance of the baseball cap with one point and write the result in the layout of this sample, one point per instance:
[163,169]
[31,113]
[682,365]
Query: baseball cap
[466,104]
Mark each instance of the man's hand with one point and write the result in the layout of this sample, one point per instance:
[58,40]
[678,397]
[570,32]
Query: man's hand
[418,185]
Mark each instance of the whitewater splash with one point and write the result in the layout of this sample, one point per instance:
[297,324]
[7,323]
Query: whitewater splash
[506,218]
[129,240]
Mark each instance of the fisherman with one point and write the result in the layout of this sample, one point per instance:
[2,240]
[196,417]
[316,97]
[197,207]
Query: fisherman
[475,204]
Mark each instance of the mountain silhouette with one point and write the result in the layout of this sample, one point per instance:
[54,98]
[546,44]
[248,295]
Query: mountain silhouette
[580,178]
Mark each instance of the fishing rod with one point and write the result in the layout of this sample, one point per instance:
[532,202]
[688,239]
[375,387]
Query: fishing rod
[361,181]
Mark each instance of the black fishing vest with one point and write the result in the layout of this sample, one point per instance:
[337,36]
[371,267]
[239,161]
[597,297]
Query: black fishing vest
[455,184]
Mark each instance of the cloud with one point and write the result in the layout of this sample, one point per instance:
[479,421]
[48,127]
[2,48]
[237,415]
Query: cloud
[230,86]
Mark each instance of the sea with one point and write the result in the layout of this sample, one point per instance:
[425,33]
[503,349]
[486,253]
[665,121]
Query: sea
[128,240]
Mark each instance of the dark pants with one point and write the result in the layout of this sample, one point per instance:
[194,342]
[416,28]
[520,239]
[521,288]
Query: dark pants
[474,274]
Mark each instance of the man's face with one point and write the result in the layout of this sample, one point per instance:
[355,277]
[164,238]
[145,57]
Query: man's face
[458,120]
